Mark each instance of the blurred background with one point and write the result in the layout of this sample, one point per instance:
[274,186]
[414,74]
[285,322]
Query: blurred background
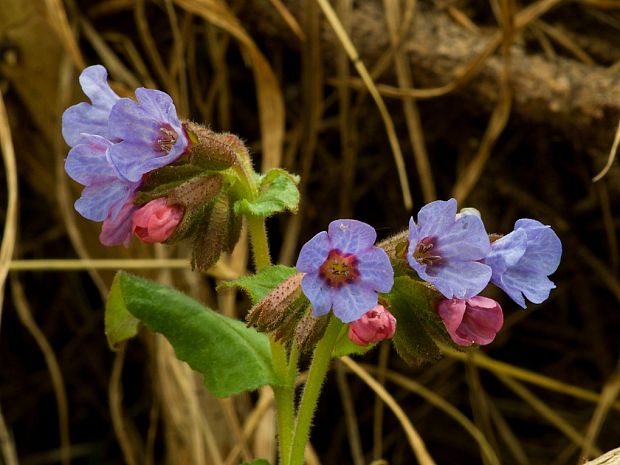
[511,107]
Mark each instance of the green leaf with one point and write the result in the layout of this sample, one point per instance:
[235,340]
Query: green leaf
[120,325]
[159,182]
[278,192]
[257,286]
[412,303]
[257,462]
[232,357]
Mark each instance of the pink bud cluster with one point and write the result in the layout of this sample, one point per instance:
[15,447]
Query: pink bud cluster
[471,321]
[156,221]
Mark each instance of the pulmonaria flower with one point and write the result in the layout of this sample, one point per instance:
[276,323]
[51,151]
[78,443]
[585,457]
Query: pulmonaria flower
[156,221]
[471,321]
[150,133]
[522,260]
[375,325]
[446,251]
[90,118]
[116,230]
[105,193]
[344,270]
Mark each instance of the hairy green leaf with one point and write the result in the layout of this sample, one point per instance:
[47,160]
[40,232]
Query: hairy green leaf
[232,357]
[120,325]
[278,193]
[412,303]
[257,286]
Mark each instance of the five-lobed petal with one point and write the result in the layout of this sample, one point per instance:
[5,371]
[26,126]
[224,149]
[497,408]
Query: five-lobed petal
[445,250]
[344,270]
[90,118]
[522,260]
[150,133]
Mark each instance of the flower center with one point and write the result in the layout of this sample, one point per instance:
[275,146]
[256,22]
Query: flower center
[339,268]
[167,138]
[424,253]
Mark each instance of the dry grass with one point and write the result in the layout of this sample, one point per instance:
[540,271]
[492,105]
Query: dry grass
[284,75]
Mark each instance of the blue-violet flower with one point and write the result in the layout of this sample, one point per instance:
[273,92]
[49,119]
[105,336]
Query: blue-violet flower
[150,133]
[522,260]
[90,118]
[344,270]
[445,250]
[104,193]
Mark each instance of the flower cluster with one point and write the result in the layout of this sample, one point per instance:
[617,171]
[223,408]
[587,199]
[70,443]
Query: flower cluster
[450,251]
[114,143]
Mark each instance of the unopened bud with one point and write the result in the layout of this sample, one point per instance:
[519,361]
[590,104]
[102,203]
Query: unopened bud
[375,325]
[274,310]
[197,191]
[156,221]
[214,150]
[309,331]
[208,237]
[472,321]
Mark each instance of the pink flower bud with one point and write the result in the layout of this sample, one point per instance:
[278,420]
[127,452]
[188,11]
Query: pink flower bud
[375,325]
[156,221]
[472,321]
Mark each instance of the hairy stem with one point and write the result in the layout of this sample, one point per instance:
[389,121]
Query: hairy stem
[312,390]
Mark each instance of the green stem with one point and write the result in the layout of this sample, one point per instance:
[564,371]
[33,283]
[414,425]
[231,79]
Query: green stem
[284,393]
[312,390]
[258,237]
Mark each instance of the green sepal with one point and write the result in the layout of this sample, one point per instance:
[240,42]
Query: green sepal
[232,357]
[257,286]
[277,193]
[159,182]
[412,303]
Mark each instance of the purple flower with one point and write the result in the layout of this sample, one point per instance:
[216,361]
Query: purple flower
[344,270]
[105,193]
[117,230]
[150,133]
[90,118]
[522,260]
[445,250]
[472,321]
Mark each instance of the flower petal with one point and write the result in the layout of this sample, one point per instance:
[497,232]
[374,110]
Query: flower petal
[517,282]
[130,122]
[451,311]
[544,248]
[464,240]
[351,236]
[376,270]
[318,293]
[313,253]
[460,280]
[99,201]
[94,82]
[87,163]
[350,302]
[117,231]
[506,252]
[435,217]
[133,160]
[482,320]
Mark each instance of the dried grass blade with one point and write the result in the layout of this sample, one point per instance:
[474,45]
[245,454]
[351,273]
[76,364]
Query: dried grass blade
[269,94]
[417,445]
[612,156]
[58,20]
[449,409]
[500,368]
[609,394]
[344,39]
[9,235]
[25,316]
[545,411]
